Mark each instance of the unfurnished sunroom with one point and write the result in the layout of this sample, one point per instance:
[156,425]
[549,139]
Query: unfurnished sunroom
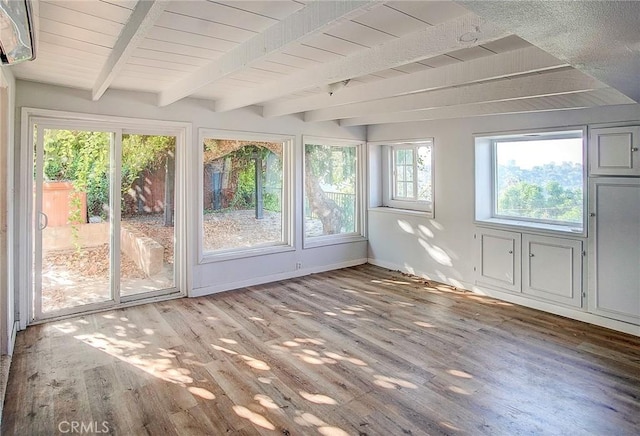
[335,165]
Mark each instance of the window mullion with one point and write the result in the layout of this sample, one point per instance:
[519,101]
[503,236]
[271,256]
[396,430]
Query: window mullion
[415,174]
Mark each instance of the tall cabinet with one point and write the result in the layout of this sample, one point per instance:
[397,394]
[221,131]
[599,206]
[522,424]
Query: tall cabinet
[614,223]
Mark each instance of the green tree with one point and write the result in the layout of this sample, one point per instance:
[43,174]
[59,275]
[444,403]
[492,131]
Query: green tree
[330,171]
[551,202]
[521,199]
[83,158]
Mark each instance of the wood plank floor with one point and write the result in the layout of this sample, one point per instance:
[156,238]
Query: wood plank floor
[360,351]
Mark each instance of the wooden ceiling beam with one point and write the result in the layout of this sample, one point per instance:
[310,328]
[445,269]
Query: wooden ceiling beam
[512,63]
[314,18]
[564,81]
[577,100]
[428,42]
[142,19]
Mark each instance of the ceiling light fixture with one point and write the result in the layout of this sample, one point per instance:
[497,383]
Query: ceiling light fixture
[470,37]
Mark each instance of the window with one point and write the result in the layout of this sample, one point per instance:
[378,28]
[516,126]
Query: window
[244,192]
[535,178]
[331,188]
[409,178]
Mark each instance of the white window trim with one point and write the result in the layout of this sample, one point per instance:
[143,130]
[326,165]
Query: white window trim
[425,208]
[360,233]
[287,242]
[485,180]
[182,132]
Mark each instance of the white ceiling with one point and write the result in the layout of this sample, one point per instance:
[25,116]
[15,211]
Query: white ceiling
[404,60]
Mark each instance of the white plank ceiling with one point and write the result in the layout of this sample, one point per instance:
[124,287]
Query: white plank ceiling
[400,60]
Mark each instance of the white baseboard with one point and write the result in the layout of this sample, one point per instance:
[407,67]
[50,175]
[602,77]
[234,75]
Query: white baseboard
[12,338]
[5,365]
[200,292]
[567,312]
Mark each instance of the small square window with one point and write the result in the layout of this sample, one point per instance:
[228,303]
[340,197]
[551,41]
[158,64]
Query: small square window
[410,176]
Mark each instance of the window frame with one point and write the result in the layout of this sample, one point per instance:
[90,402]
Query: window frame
[359,233]
[389,177]
[181,130]
[287,241]
[486,175]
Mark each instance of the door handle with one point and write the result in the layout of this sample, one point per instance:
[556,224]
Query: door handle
[43,225]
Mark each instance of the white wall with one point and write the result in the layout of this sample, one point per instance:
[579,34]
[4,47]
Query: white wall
[7,306]
[443,248]
[216,276]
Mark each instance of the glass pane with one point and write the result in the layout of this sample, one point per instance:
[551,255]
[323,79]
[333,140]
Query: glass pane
[540,180]
[408,157]
[147,213]
[409,188]
[400,172]
[242,201]
[330,189]
[75,219]
[408,173]
[424,173]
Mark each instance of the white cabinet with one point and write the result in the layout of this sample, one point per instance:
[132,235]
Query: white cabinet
[552,269]
[614,285]
[542,267]
[613,151]
[499,254]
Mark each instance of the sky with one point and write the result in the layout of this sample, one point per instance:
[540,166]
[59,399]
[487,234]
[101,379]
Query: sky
[528,154]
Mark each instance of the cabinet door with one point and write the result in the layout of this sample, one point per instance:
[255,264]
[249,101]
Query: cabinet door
[614,285]
[614,151]
[498,259]
[552,269]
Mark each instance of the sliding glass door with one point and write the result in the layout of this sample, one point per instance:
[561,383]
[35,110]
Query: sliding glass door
[103,217]
[147,216]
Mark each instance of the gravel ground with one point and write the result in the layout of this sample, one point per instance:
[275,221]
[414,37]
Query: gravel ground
[240,228]
[71,278]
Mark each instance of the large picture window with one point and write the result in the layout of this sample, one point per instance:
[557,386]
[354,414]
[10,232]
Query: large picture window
[331,188]
[244,201]
[536,177]
[539,180]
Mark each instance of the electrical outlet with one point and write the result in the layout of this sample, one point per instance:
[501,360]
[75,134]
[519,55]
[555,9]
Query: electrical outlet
[298,265]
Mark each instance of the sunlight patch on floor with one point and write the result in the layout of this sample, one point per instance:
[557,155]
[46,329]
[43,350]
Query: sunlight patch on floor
[201,392]
[254,417]
[266,401]
[317,398]
[392,382]
[161,368]
[458,373]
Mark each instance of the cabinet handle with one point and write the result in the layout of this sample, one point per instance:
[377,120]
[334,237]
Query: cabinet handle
[530,254]
[510,251]
[634,148]
[592,214]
